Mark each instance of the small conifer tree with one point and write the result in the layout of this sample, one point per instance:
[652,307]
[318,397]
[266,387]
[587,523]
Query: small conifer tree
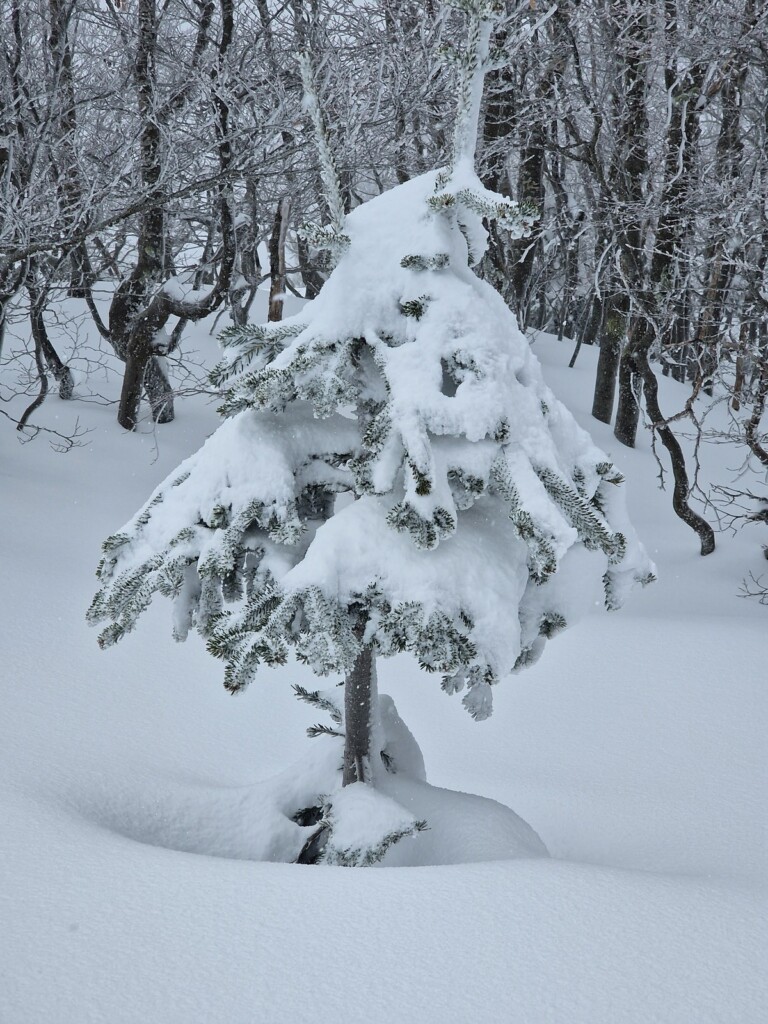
[392,474]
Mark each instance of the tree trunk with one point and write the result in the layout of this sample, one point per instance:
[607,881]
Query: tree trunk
[682,488]
[81,272]
[11,280]
[60,370]
[43,380]
[614,327]
[360,700]
[628,409]
[73,208]
[523,251]
[360,707]
[247,274]
[136,336]
[277,260]
[159,391]
[136,362]
[709,330]
[747,341]
[140,355]
[138,328]
[590,325]
[311,277]
[359,695]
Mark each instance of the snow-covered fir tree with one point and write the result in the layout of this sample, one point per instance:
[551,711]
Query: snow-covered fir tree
[392,474]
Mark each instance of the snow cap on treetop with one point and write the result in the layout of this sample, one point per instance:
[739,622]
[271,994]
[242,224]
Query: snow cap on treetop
[484,517]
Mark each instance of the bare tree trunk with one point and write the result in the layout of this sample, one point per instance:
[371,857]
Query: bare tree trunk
[277,259]
[11,282]
[204,273]
[137,339]
[159,391]
[247,275]
[682,487]
[746,335]
[359,693]
[705,345]
[530,189]
[43,381]
[138,356]
[630,387]
[631,173]
[43,344]
[675,346]
[141,308]
[63,109]
[752,435]
[310,275]
[81,272]
[589,326]
[614,329]
[360,706]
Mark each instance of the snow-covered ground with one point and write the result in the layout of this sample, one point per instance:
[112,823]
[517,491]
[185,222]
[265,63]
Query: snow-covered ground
[635,748]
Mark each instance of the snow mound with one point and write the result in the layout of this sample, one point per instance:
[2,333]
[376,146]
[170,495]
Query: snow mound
[462,828]
[364,824]
[253,822]
[402,822]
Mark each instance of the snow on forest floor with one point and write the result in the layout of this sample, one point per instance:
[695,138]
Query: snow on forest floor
[635,748]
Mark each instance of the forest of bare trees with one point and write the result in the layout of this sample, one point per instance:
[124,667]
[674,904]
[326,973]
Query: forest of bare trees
[150,146]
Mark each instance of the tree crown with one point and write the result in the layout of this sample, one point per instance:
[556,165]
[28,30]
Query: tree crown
[481,511]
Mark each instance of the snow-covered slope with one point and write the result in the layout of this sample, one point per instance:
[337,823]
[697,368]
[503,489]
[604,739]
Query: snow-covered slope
[635,749]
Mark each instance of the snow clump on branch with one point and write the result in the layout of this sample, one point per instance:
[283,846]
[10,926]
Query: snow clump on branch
[483,517]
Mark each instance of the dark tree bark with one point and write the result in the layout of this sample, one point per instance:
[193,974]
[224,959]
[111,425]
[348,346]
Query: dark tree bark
[140,351]
[141,308]
[682,488]
[752,435]
[703,355]
[72,206]
[277,259]
[359,692]
[660,303]
[523,252]
[61,373]
[359,703]
[247,274]
[631,173]
[722,253]
[630,385]
[11,281]
[81,272]
[132,339]
[611,337]
[311,277]
[498,127]
[41,395]
[159,391]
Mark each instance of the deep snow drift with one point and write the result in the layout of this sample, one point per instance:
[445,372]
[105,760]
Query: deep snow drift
[635,749]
